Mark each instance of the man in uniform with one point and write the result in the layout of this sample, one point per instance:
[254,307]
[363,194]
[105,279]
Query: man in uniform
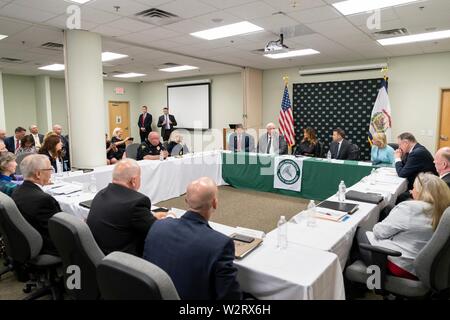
[152,148]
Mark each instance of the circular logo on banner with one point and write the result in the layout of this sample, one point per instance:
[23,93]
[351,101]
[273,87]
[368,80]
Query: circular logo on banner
[288,171]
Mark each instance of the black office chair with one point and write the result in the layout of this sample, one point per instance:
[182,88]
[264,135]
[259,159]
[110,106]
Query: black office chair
[76,246]
[432,266]
[122,276]
[393,145]
[354,152]
[7,263]
[23,245]
[320,150]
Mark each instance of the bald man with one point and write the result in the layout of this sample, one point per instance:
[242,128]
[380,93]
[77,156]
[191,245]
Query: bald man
[152,148]
[272,142]
[198,259]
[120,216]
[442,164]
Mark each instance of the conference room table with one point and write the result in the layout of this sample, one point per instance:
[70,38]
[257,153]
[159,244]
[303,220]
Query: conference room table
[320,180]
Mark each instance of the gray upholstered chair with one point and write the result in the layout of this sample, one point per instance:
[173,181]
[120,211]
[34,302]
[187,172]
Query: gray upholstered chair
[122,276]
[131,150]
[23,245]
[19,159]
[76,246]
[432,266]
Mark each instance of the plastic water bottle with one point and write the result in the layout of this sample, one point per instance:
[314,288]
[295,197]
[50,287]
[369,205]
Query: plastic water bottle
[311,214]
[373,176]
[93,183]
[161,157]
[329,155]
[341,192]
[282,233]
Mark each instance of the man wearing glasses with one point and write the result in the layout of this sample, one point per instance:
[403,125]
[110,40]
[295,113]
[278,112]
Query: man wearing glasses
[36,206]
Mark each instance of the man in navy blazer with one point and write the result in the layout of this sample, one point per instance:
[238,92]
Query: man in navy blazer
[145,123]
[13,143]
[418,159]
[198,259]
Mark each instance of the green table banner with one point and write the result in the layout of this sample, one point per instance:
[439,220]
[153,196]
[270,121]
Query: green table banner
[320,178]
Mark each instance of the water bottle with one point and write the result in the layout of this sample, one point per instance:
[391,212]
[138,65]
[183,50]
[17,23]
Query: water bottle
[93,183]
[282,233]
[161,157]
[373,176]
[329,155]
[341,192]
[311,214]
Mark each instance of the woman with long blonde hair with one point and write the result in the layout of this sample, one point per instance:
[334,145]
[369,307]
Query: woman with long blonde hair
[381,152]
[410,225]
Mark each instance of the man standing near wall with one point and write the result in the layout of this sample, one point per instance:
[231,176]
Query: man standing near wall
[166,122]
[145,124]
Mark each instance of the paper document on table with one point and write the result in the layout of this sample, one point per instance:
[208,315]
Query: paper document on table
[328,214]
[66,189]
[250,232]
[337,161]
[362,163]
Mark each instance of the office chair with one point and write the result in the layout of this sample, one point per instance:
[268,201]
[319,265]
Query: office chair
[354,152]
[320,150]
[393,145]
[23,245]
[432,266]
[19,159]
[131,150]
[76,246]
[122,276]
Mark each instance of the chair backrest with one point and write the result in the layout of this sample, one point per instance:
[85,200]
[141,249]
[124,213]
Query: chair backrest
[320,150]
[433,262]
[19,159]
[76,246]
[354,152]
[131,150]
[22,241]
[122,276]
[393,145]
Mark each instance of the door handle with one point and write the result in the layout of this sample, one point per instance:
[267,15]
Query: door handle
[443,138]
[126,128]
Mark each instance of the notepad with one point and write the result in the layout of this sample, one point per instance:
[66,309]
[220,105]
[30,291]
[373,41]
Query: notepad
[348,208]
[242,249]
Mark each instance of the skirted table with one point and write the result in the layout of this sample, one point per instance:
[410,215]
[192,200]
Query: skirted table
[320,178]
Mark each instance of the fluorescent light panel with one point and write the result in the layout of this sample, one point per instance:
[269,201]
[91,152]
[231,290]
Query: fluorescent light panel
[2,36]
[130,75]
[53,67]
[230,30]
[110,56]
[357,6]
[290,54]
[415,38]
[178,69]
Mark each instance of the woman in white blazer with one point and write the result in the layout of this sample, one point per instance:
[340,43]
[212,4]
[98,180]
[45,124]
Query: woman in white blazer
[410,225]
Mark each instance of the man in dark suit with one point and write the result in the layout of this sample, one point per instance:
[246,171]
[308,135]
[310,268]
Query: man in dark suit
[120,216]
[442,164]
[340,148]
[145,123]
[38,138]
[198,259]
[13,143]
[417,159]
[272,142]
[240,141]
[36,206]
[166,122]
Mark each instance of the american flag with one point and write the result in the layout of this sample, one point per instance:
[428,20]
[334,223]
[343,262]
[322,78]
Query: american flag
[286,119]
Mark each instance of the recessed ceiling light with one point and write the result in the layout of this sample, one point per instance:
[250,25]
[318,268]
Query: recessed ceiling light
[178,69]
[229,30]
[428,36]
[357,6]
[2,36]
[78,1]
[290,54]
[53,67]
[110,56]
[130,75]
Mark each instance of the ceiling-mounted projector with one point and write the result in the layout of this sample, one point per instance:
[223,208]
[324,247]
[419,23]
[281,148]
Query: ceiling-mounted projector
[276,46]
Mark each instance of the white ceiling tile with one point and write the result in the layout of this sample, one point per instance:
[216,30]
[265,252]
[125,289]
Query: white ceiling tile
[223,4]
[315,14]
[109,31]
[9,27]
[52,6]
[252,10]
[127,7]
[275,22]
[153,3]
[35,37]
[61,22]
[30,15]
[187,8]
[225,17]
[130,25]
[333,27]
[97,16]
[186,26]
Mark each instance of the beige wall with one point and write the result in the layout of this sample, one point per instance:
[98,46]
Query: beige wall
[20,102]
[414,91]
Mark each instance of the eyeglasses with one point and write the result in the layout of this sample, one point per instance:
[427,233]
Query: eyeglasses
[50,169]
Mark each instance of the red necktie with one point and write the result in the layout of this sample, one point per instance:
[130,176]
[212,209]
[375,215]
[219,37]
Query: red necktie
[239,143]
[17,144]
[143,118]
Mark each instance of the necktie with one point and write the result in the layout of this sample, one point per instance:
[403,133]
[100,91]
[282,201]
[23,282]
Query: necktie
[17,144]
[339,149]
[239,143]
[269,143]
[143,118]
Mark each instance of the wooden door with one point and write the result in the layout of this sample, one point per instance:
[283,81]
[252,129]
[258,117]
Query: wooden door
[119,117]
[444,132]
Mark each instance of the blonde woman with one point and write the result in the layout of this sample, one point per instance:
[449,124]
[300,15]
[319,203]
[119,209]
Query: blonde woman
[176,146]
[381,151]
[410,225]
[119,143]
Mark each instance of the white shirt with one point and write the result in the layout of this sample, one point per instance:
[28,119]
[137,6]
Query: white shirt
[339,148]
[37,142]
[167,121]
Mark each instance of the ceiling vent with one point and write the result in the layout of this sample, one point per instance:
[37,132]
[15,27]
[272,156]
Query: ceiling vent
[52,46]
[157,17]
[11,60]
[392,32]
